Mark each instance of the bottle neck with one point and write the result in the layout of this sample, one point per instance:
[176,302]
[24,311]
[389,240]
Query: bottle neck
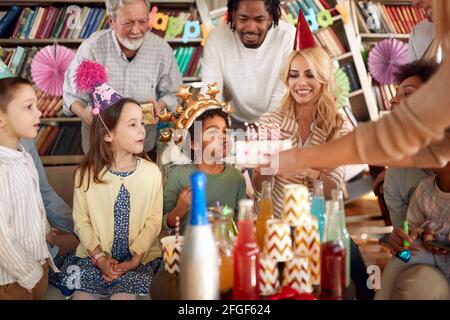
[318,188]
[266,193]
[338,196]
[333,223]
[246,225]
[198,208]
[266,207]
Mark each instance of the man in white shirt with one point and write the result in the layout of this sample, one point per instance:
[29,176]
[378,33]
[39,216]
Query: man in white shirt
[422,35]
[246,57]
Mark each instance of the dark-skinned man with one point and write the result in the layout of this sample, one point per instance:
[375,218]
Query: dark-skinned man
[246,56]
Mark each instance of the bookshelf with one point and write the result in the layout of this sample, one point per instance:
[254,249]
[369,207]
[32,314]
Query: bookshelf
[76,42]
[47,33]
[382,36]
[396,18]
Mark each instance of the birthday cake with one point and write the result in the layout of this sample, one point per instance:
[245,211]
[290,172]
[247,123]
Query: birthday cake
[258,152]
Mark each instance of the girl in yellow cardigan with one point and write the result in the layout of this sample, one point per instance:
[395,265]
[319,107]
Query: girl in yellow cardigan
[117,207]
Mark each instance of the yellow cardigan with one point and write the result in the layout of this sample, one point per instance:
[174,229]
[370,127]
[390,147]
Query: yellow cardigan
[93,211]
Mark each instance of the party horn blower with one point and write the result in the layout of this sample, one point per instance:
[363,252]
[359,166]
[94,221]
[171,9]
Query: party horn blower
[405,255]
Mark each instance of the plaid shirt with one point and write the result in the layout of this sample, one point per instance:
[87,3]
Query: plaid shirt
[430,208]
[152,73]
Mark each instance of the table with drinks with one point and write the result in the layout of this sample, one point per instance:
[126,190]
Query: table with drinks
[303,255]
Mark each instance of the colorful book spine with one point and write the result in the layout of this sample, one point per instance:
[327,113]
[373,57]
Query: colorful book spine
[17,60]
[95,21]
[29,24]
[302,6]
[312,5]
[56,32]
[8,21]
[103,21]
[352,76]
[18,24]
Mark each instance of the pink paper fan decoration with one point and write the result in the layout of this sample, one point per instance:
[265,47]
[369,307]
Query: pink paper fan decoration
[90,74]
[48,68]
[385,59]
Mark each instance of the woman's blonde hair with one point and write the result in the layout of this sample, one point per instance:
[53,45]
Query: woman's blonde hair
[325,111]
[441,18]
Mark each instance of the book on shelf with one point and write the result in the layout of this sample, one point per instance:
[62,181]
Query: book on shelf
[8,21]
[50,106]
[17,61]
[329,41]
[350,71]
[48,142]
[188,59]
[64,139]
[377,17]
[317,6]
[75,22]
[67,22]
[384,94]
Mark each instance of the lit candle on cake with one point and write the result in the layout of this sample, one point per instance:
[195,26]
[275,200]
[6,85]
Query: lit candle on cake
[262,132]
[247,132]
[253,133]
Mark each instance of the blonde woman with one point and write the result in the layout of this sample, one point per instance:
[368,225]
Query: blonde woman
[415,134]
[308,116]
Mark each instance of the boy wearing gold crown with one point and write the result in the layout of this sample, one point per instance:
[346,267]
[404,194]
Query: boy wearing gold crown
[204,125]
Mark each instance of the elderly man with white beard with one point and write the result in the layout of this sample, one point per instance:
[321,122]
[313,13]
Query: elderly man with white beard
[140,65]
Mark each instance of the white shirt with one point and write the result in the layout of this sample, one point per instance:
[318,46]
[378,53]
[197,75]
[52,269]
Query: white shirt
[420,40]
[249,79]
[23,223]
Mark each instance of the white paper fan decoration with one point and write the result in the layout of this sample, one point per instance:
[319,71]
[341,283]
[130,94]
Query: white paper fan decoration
[385,59]
[48,68]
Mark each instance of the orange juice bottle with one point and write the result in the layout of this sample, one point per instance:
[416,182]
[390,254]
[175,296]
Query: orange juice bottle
[226,245]
[226,271]
[265,213]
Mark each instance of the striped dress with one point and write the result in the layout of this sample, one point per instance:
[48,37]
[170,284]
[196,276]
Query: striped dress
[289,129]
